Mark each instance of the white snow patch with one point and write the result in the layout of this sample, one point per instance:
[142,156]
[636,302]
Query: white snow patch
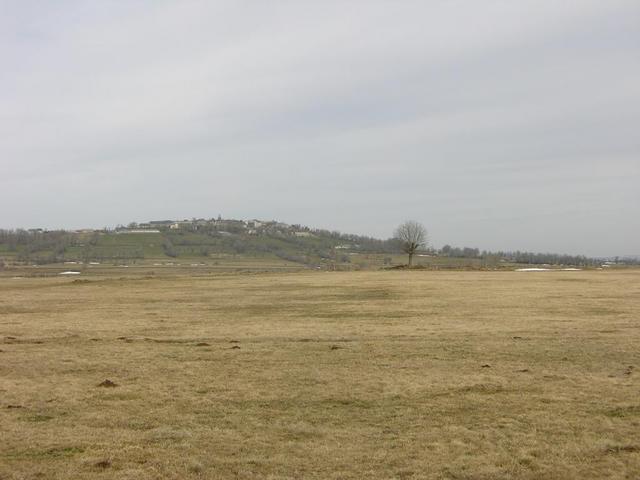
[537,269]
[69,273]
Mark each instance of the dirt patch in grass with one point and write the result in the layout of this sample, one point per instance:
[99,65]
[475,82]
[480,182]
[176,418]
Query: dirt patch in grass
[622,449]
[624,411]
[103,464]
[107,384]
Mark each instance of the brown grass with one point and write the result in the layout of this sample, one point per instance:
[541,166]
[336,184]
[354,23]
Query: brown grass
[394,375]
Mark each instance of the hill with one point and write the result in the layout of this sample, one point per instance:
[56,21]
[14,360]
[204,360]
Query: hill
[243,243]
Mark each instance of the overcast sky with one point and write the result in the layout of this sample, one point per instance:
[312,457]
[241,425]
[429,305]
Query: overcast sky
[498,124]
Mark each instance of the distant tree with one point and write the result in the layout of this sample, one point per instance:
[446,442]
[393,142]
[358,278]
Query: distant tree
[94,239]
[169,249]
[411,235]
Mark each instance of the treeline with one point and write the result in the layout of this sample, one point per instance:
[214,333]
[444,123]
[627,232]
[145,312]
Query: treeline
[119,254]
[289,248]
[363,243]
[531,258]
[548,259]
[41,247]
[35,239]
[37,246]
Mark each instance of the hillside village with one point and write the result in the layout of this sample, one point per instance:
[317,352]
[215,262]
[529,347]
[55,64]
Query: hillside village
[220,225]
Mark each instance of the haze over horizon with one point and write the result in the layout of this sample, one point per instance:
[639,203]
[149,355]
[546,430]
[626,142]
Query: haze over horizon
[498,125]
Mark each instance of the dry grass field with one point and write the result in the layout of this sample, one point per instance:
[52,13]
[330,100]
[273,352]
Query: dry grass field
[385,375]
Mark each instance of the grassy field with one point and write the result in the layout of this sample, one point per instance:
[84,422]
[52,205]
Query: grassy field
[159,266]
[342,375]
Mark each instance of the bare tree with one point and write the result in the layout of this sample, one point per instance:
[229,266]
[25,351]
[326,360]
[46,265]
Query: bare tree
[412,235]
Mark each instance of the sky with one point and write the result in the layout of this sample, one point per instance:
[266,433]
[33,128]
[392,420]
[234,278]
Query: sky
[499,125]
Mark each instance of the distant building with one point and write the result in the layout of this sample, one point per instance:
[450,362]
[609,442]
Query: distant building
[254,223]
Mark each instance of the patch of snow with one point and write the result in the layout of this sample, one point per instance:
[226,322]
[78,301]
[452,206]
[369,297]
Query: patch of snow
[572,269]
[69,273]
[94,263]
[532,269]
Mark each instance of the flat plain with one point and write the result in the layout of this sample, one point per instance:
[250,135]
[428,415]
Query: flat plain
[341,375]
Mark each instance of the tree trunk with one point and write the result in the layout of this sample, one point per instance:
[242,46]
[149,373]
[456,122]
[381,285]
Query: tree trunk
[410,258]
